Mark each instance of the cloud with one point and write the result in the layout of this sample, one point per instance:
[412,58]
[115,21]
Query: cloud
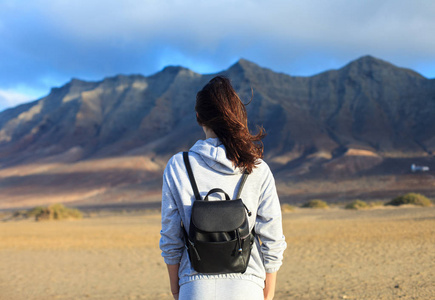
[10,98]
[203,24]
[94,38]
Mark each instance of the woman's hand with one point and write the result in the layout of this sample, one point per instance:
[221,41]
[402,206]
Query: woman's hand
[173,280]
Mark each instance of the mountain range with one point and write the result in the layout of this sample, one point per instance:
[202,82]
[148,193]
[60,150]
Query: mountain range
[360,121]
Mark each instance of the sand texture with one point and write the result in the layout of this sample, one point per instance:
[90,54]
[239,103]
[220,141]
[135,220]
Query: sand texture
[386,253]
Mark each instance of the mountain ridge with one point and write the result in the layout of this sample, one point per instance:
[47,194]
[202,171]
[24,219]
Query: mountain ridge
[245,75]
[316,125]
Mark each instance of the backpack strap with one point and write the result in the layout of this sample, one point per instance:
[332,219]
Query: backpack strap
[245,176]
[195,191]
[191,178]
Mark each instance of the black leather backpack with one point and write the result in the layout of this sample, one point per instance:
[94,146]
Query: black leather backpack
[219,240]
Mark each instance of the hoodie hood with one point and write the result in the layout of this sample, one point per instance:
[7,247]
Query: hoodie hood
[213,152]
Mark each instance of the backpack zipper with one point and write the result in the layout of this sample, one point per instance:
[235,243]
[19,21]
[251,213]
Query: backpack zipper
[247,210]
[239,241]
[194,249]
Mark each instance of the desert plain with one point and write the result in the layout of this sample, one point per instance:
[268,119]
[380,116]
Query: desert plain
[379,253]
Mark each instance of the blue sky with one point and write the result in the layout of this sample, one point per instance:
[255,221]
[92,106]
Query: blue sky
[45,43]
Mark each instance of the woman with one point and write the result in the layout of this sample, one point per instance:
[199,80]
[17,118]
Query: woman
[219,161]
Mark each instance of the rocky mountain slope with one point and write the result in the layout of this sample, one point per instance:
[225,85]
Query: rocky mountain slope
[337,123]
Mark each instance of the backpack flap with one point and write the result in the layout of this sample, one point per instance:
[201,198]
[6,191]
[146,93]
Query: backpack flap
[218,216]
[219,238]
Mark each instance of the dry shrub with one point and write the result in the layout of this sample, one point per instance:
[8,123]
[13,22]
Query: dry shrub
[316,203]
[287,207]
[54,212]
[357,204]
[375,203]
[410,198]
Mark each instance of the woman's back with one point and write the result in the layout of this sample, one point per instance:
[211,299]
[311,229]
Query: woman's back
[212,169]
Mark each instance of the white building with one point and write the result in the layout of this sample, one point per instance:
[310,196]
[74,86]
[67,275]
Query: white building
[415,168]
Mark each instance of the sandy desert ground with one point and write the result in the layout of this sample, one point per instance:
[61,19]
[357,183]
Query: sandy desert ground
[384,253]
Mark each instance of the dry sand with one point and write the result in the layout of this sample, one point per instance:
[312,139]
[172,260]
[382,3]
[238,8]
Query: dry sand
[332,254]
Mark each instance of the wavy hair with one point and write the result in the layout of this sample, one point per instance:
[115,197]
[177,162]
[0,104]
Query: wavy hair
[219,108]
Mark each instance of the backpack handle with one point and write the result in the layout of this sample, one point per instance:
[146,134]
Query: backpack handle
[212,191]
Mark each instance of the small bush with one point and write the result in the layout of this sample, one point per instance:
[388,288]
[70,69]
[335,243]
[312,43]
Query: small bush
[19,213]
[35,211]
[287,207]
[357,204]
[315,204]
[410,198]
[375,203]
[54,212]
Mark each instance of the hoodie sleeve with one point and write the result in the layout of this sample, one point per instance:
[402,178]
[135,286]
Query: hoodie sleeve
[268,226]
[171,240]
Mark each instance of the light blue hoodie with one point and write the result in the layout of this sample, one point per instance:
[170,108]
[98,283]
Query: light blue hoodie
[212,169]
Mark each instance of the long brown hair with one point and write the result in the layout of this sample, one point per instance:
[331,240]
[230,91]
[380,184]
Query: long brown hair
[219,108]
